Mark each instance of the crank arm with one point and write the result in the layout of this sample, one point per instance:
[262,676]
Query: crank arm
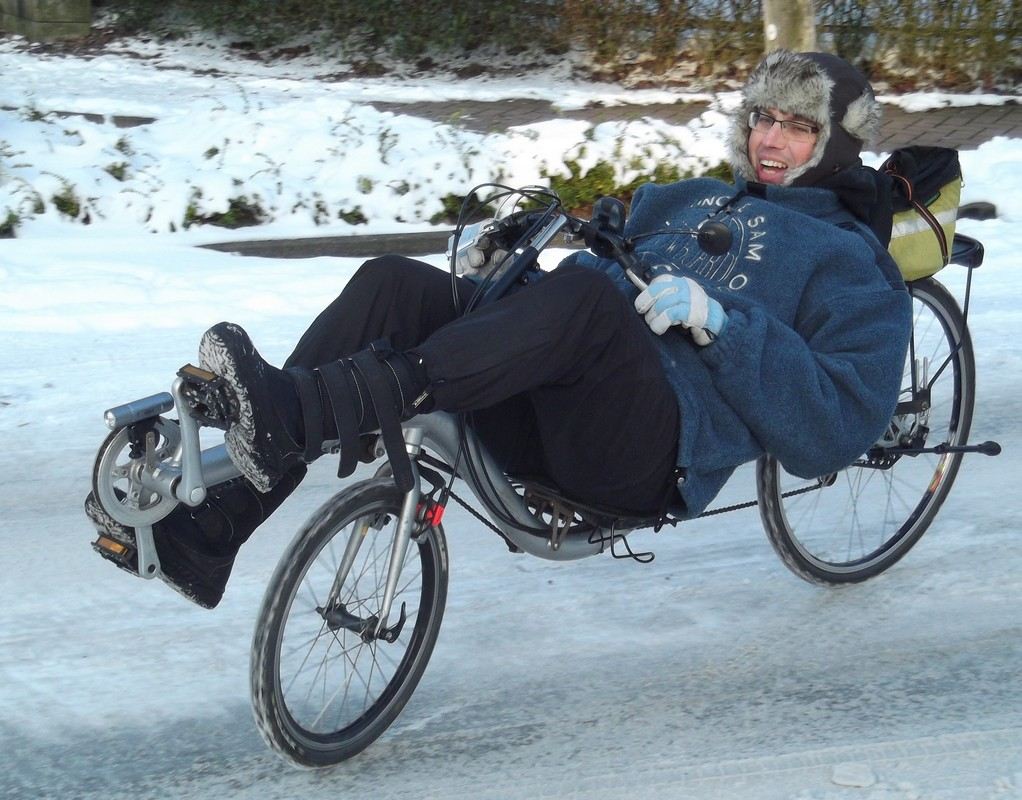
[145,548]
[191,489]
[187,480]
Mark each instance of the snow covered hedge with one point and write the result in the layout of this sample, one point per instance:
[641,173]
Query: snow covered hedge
[324,162]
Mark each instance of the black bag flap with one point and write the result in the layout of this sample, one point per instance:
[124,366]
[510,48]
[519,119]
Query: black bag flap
[926,168]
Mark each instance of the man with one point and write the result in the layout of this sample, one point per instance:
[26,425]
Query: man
[792,342]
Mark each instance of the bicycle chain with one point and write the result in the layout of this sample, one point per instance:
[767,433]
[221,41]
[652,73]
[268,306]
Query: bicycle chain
[751,503]
[464,504]
[711,513]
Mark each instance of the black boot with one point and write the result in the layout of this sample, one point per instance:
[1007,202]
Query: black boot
[283,417]
[264,433]
[196,546]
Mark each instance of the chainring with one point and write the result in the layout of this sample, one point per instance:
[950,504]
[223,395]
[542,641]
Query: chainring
[115,477]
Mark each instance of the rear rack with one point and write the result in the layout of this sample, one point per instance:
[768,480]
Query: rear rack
[966,251]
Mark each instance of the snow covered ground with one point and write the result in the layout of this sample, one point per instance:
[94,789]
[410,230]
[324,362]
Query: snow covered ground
[712,673]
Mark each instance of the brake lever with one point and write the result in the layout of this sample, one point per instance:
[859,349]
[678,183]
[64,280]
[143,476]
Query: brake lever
[624,255]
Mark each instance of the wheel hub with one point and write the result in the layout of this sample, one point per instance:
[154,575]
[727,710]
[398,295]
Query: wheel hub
[337,617]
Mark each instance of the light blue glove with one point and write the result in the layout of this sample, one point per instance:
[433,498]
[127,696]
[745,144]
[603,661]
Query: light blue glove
[677,300]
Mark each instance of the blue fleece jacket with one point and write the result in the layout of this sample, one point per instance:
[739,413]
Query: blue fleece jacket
[809,365]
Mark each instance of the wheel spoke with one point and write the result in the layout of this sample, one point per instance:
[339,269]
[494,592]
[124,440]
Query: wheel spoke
[328,701]
[311,646]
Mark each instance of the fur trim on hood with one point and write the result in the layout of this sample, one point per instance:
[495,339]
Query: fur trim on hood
[820,87]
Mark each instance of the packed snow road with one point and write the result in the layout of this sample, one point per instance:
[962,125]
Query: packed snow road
[712,672]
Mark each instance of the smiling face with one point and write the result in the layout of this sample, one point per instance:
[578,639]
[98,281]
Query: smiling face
[773,153]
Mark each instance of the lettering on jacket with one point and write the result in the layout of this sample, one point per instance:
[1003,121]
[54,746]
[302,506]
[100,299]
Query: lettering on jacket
[733,268]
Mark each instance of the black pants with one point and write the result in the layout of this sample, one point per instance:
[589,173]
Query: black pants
[561,377]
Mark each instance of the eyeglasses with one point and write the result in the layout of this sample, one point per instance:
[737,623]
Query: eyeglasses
[791,130]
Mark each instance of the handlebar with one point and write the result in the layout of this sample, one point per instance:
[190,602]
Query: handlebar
[603,235]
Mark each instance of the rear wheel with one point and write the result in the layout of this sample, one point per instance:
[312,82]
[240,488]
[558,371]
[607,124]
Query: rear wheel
[854,524]
[323,686]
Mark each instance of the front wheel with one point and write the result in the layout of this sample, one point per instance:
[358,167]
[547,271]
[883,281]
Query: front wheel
[322,688]
[854,524]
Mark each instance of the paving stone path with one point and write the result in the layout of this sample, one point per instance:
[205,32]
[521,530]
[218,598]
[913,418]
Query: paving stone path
[966,127]
[962,128]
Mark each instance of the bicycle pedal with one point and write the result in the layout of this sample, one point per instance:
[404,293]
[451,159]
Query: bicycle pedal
[209,398]
[190,372]
[120,553]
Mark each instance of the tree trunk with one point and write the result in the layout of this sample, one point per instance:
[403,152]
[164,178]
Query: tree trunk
[44,20]
[789,24]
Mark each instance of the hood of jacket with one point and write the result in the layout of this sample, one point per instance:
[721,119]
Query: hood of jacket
[819,87]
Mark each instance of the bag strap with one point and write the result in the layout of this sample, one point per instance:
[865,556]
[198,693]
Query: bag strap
[926,214]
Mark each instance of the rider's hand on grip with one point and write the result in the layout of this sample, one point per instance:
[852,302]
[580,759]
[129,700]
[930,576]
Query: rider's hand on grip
[676,300]
[477,251]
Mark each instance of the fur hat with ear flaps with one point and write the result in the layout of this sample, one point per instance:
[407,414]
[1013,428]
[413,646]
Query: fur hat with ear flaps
[819,87]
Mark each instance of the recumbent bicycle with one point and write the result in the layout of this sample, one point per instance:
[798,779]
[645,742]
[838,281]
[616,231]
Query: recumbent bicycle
[351,615]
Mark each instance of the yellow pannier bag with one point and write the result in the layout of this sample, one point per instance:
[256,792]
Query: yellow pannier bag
[926,188]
